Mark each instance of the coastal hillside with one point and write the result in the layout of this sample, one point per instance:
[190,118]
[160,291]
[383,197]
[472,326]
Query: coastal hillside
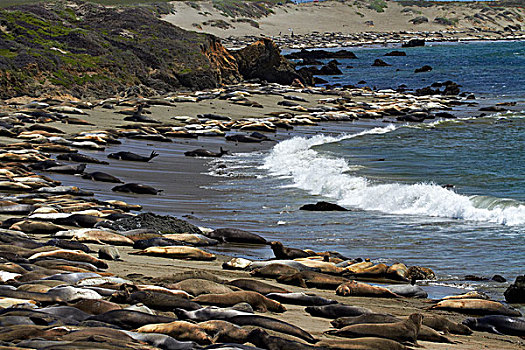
[224,19]
[84,49]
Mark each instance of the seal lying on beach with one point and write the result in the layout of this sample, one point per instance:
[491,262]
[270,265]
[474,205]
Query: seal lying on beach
[136,188]
[476,307]
[498,324]
[233,235]
[256,286]
[258,301]
[354,288]
[300,299]
[362,343]
[336,310]
[311,279]
[178,252]
[282,252]
[100,176]
[403,331]
[80,158]
[205,153]
[180,330]
[123,155]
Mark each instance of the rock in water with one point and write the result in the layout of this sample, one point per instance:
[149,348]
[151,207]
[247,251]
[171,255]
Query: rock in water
[380,63]
[515,293]
[323,206]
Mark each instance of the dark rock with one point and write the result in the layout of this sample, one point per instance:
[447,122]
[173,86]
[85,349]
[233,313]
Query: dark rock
[414,43]
[451,89]
[263,60]
[420,273]
[330,69]
[163,224]
[321,54]
[445,115]
[493,109]
[309,62]
[361,82]
[323,206]
[318,80]
[515,293]
[380,63]
[499,278]
[423,69]
[396,53]
[475,278]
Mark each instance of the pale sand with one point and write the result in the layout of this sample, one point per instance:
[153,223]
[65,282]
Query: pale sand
[344,17]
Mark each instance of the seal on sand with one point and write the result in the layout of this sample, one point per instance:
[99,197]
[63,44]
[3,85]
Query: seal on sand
[136,188]
[258,301]
[300,299]
[403,331]
[224,331]
[233,235]
[336,310]
[197,286]
[209,313]
[123,155]
[354,288]
[477,307]
[256,286]
[205,153]
[178,252]
[261,338]
[100,176]
[311,279]
[282,252]
[128,319]
[362,343]
[498,324]
[272,324]
[180,330]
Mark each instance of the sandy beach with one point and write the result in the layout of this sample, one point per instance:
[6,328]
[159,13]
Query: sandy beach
[187,192]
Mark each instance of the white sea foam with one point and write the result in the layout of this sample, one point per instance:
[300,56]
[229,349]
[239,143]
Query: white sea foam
[297,160]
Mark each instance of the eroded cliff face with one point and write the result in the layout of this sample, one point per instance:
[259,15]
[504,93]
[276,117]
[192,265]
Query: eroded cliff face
[89,50]
[263,60]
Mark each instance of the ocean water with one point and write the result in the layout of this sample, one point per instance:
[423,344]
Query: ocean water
[391,175]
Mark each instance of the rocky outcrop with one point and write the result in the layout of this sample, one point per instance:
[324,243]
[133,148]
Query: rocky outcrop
[515,293]
[263,60]
[323,206]
[414,43]
[380,63]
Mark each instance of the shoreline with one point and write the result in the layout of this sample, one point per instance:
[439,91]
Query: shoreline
[140,269]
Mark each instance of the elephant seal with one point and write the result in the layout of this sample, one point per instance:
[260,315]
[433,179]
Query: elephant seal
[155,242]
[274,271]
[336,310]
[196,287]
[95,307]
[258,301]
[36,227]
[233,235]
[476,307]
[200,152]
[123,155]
[367,343]
[224,331]
[282,252]
[443,324]
[403,331]
[261,338]
[129,319]
[311,279]
[96,236]
[194,239]
[154,300]
[109,253]
[68,169]
[236,264]
[209,313]
[178,252]
[497,324]
[407,290]
[136,188]
[67,314]
[102,177]
[161,341]
[272,324]
[80,158]
[354,288]
[292,263]
[256,286]
[74,255]
[66,244]
[180,330]
[300,299]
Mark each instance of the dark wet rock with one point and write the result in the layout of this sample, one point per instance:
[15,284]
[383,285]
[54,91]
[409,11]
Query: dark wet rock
[420,273]
[396,53]
[323,206]
[515,293]
[475,278]
[425,68]
[380,63]
[163,224]
[330,69]
[309,62]
[414,43]
[499,278]
[493,109]
[320,54]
